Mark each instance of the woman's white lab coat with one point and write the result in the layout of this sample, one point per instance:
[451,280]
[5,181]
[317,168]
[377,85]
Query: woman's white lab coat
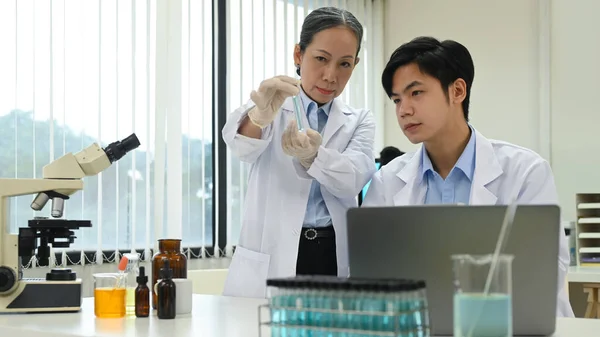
[278,190]
[501,170]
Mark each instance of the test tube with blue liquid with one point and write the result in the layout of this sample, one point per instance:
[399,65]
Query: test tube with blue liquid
[423,326]
[298,113]
[276,301]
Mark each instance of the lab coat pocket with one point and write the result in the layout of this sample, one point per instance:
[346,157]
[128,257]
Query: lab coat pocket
[248,273]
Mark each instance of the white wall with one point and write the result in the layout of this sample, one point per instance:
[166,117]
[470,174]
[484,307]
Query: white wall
[503,40]
[513,66]
[575,107]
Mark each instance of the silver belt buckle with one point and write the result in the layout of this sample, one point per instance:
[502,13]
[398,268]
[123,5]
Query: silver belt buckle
[312,236]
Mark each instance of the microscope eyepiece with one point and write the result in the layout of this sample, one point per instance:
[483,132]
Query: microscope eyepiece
[115,151]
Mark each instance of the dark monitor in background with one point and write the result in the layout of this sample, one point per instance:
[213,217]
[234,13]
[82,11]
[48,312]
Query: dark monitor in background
[363,193]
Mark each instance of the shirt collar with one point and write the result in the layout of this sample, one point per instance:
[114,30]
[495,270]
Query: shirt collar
[309,104]
[466,161]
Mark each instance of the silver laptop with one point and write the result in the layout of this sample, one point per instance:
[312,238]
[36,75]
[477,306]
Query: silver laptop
[416,242]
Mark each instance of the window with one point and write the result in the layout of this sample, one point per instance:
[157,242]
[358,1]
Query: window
[78,72]
[262,35]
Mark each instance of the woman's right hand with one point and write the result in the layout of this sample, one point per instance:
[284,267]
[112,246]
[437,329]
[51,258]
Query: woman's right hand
[270,97]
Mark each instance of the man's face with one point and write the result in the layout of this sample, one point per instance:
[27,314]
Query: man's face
[422,107]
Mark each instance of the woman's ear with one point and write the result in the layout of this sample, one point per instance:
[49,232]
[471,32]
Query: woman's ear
[297,55]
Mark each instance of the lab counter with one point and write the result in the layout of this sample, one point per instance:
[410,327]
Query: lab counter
[584,274]
[211,316]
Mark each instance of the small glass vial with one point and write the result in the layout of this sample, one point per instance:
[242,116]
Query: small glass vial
[165,291]
[142,295]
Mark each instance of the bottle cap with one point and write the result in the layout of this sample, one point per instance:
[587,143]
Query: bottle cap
[123,263]
[166,273]
[142,278]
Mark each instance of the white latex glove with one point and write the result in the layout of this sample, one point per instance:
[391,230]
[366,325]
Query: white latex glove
[269,98]
[303,146]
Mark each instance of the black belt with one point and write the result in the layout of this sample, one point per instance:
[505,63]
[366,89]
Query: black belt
[321,232]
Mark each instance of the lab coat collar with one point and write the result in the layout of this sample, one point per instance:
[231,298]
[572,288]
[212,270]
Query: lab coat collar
[487,169]
[465,163]
[338,116]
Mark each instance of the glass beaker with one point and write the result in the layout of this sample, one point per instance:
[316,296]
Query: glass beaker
[109,295]
[476,314]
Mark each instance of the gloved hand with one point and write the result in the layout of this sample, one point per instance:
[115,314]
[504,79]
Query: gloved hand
[270,97]
[303,146]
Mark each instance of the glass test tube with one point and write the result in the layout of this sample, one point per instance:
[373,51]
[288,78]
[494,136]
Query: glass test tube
[298,113]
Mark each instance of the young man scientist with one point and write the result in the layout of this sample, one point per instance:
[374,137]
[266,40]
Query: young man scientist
[430,84]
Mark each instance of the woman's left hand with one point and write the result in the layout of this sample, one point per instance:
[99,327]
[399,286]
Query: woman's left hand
[303,146]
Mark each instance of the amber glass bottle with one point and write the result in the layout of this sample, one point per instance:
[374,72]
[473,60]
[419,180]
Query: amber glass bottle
[142,295]
[169,249]
[166,293]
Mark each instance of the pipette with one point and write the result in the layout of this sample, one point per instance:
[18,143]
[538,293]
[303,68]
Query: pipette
[298,113]
[509,218]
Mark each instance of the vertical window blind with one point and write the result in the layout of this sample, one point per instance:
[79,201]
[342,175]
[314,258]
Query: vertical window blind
[78,72]
[262,35]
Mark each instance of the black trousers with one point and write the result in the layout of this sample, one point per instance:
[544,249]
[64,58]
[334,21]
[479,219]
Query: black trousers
[316,252]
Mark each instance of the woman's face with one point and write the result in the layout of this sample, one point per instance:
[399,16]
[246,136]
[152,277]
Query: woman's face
[327,63]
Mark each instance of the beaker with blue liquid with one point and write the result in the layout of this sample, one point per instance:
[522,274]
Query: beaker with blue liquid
[481,312]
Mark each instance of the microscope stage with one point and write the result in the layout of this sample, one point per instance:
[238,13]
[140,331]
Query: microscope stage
[58,223]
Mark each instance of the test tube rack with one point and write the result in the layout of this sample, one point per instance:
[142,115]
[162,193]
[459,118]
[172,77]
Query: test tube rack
[302,323]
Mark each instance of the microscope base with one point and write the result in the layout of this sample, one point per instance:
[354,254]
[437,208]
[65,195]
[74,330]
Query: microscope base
[39,295]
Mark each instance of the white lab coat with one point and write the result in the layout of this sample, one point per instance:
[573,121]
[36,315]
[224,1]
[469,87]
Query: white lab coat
[501,170]
[278,191]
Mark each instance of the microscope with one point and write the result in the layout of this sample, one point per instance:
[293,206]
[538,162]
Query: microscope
[60,291]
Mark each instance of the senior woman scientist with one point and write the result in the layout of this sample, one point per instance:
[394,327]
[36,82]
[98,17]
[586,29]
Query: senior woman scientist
[301,183]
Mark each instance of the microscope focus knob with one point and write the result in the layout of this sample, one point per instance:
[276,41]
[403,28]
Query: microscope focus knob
[7,279]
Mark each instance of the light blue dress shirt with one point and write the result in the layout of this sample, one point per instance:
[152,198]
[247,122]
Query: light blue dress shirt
[456,188]
[317,215]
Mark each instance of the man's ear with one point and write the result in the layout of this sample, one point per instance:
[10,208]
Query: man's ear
[458,91]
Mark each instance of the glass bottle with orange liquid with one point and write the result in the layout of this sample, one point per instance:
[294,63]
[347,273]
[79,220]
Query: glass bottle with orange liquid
[109,295]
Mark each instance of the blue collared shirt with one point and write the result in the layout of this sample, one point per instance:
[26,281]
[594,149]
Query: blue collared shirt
[456,188]
[317,214]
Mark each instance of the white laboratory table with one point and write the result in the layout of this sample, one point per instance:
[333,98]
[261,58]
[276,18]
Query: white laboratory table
[584,274]
[212,316]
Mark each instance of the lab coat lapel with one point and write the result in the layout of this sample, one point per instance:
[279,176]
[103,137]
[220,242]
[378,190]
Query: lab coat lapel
[413,192]
[338,115]
[487,169]
[288,108]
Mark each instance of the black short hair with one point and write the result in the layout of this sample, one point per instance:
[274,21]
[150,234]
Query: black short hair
[388,154]
[325,18]
[446,60]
